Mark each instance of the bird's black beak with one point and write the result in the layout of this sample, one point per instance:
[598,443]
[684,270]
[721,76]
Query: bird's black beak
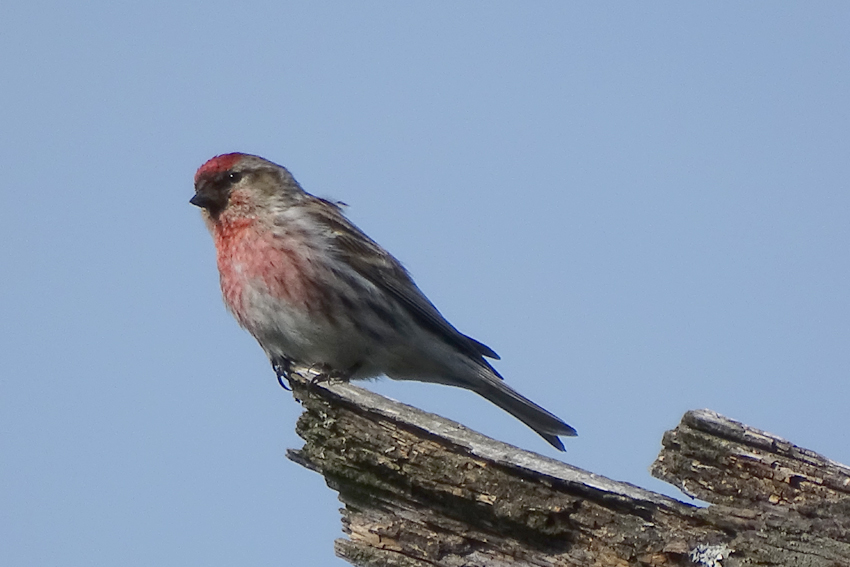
[213,192]
[211,196]
[202,201]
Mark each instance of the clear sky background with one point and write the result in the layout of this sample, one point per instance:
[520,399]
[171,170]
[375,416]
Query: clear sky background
[644,208]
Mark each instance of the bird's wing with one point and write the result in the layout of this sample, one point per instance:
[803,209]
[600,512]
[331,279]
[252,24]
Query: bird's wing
[378,266]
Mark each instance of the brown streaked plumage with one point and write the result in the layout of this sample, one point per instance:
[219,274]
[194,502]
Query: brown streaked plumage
[312,288]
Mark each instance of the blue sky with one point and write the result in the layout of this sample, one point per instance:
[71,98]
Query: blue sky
[643,208]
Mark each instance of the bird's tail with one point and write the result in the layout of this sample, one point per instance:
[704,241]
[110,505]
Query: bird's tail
[544,423]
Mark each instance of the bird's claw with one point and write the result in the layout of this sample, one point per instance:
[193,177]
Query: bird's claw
[324,373]
[282,367]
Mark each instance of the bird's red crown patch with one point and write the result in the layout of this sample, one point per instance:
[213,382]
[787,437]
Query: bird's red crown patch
[218,164]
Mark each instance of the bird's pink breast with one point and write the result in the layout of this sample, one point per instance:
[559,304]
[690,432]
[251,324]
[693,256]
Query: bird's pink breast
[253,263]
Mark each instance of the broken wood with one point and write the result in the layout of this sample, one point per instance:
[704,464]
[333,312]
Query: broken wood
[420,490]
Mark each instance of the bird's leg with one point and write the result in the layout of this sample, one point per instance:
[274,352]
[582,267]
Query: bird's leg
[327,374]
[282,367]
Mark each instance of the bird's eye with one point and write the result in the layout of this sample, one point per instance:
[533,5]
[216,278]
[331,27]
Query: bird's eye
[233,177]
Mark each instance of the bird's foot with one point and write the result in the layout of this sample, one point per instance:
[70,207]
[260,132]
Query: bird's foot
[324,373]
[282,368]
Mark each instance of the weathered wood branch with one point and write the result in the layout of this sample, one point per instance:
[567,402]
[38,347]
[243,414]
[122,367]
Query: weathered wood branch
[420,490]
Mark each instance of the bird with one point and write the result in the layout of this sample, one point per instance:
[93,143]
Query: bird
[315,290]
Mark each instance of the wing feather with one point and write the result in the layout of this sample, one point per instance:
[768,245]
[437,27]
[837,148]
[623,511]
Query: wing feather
[378,266]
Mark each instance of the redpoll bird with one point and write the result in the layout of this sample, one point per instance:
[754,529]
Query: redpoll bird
[314,290]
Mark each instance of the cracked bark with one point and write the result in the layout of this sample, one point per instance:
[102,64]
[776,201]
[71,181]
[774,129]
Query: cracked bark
[420,490]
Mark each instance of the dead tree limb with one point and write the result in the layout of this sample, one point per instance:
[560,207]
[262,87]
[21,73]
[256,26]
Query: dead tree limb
[420,490]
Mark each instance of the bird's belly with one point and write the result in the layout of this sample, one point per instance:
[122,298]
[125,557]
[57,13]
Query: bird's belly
[300,331]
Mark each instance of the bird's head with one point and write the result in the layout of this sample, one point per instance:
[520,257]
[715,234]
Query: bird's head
[242,183]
